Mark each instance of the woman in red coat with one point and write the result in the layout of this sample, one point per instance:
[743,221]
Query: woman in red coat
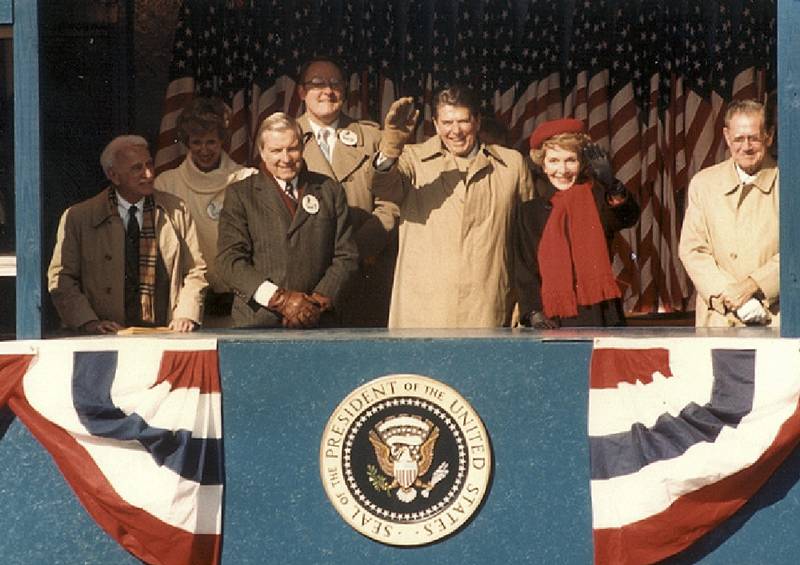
[566,232]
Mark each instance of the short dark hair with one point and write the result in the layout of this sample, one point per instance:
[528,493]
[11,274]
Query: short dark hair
[202,116]
[456,95]
[301,75]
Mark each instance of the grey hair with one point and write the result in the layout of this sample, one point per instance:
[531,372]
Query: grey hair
[278,122]
[749,106]
[116,145]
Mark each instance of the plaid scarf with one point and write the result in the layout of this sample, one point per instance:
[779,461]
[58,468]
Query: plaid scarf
[148,257]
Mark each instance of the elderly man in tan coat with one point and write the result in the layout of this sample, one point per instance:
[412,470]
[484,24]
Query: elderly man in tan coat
[729,241]
[128,256]
[341,148]
[458,204]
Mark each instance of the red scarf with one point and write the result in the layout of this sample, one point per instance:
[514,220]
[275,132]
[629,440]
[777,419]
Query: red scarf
[573,257]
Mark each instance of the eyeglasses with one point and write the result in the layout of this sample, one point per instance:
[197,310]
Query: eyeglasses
[318,83]
[753,139]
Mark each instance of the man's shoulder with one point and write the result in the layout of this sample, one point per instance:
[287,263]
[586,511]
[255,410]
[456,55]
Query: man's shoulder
[722,170]
[368,132]
[424,150]
[312,178]
[246,183]
[170,202]
[509,157]
[94,205]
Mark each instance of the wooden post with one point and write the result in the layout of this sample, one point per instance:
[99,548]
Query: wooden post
[27,169]
[789,149]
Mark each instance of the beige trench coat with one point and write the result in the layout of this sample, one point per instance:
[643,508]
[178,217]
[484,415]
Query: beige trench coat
[86,277]
[455,262]
[730,232]
[366,301]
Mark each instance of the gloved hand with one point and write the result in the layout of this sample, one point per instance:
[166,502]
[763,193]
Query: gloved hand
[398,127]
[597,159]
[541,322]
[297,308]
[322,301]
[753,312]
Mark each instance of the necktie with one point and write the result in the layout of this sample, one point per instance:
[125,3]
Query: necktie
[290,191]
[323,143]
[132,307]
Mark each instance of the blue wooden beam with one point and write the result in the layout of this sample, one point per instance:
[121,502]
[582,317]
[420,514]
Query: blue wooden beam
[789,149]
[27,169]
[6,12]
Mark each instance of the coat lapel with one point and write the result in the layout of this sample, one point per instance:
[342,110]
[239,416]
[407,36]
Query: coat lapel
[480,162]
[347,158]
[266,191]
[301,216]
[312,154]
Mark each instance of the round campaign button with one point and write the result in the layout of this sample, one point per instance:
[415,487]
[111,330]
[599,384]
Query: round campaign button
[214,208]
[310,204]
[405,460]
[348,137]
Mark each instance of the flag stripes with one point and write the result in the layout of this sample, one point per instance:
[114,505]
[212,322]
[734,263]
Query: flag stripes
[650,78]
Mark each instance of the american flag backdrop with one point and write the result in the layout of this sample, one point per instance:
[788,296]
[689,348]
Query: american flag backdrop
[650,78]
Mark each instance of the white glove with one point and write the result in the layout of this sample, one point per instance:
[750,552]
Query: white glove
[752,312]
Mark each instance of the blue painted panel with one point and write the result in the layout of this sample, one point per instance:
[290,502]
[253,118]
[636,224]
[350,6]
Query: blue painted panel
[27,169]
[6,12]
[789,144]
[41,519]
[532,399]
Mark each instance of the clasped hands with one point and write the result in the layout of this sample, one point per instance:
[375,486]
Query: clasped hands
[298,309]
[738,298]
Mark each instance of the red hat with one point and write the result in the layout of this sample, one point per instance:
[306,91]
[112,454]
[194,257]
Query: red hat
[547,130]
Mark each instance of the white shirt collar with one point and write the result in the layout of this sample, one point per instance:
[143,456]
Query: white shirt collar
[282,183]
[745,177]
[315,127]
[123,206]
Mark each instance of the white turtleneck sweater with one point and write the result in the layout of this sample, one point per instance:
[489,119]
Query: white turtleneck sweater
[203,194]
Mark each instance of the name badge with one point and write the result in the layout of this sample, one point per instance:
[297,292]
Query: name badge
[310,204]
[348,137]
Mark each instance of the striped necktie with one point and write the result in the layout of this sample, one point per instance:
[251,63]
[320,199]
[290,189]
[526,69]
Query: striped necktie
[289,189]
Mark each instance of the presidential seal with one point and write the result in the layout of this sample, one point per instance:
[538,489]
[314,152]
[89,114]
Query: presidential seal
[405,460]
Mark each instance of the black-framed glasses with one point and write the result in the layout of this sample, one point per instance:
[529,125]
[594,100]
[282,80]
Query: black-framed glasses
[318,83]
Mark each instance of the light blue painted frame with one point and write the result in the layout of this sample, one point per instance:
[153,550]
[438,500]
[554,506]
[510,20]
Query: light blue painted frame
[27,165]
[789,144]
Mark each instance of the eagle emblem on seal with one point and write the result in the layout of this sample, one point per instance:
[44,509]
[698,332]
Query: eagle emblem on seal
[404,446]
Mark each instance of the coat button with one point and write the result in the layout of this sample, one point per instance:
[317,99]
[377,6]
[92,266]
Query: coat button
[108,257]
[108,290]
[734,256]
